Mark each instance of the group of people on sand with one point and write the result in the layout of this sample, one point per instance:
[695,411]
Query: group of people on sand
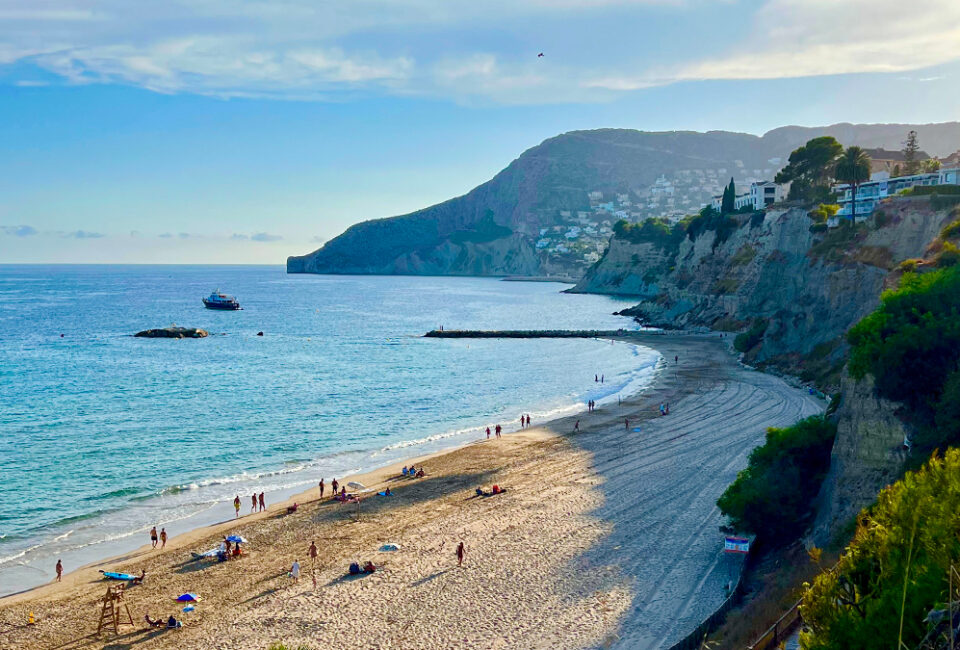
[497,429]
[155,538]
[598,379]
[524,421]
[255,502]
[413,472]
[228,550]
[591,405]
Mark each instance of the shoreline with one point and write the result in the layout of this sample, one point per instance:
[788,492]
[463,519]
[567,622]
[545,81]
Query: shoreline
[618,531]
[293,493]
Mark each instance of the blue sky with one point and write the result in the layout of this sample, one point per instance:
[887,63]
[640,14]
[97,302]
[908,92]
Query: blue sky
[238,131]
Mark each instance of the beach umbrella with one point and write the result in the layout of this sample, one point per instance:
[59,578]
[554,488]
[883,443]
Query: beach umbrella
[236,539]
[356,486]
[188,598]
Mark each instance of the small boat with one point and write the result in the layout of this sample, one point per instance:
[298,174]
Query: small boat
[219,300]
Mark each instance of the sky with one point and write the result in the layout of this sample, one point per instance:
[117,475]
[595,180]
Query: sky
[243,131]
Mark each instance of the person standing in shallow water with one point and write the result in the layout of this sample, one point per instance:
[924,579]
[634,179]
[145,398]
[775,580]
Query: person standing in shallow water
[253,502]
[488,433]
[528,419]
[263,503]
[59,570]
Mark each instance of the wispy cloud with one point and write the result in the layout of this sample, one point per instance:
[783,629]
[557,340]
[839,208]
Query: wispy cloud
[307,50]
[28,83]
[165,235]
[83,234]
[264,237]
[19,231]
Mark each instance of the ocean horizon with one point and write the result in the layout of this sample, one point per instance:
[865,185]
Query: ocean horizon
[105,435]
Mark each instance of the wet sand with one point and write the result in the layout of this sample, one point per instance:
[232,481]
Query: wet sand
[605,538]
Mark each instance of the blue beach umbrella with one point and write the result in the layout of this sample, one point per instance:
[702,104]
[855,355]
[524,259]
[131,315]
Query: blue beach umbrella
[188,598]
[236,539]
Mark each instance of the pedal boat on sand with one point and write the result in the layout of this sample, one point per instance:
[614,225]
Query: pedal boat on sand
[219,300]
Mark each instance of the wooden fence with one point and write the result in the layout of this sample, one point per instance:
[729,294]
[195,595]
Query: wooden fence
[779,631]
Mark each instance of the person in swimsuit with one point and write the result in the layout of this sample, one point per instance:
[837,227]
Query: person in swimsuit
[576,427]
[334,484]
[313,553]
[59,570]
[253,502]
[321,488]
[528,419]
[153,536]
[488,433]
[236,505]
[163,537]
[263,503]
[460,553]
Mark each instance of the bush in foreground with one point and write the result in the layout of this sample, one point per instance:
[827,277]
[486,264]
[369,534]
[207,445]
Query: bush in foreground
[895,570]
[773,496]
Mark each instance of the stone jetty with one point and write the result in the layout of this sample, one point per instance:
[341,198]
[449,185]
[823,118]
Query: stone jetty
[530,334]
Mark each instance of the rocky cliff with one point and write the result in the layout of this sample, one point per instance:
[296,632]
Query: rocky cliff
[798,290]
[794,293]
[549,211]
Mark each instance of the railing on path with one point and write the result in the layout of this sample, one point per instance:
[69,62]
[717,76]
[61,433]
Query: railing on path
[779,631]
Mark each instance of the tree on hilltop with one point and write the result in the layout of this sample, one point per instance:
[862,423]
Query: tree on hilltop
[853,167]
[910,148]
[728,204]
[810,168]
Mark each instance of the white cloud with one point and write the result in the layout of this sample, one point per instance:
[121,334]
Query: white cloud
[322,49]
[265,237]
[83,234]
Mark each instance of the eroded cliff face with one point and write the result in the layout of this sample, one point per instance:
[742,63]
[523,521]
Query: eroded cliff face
[808,288]
[868,454]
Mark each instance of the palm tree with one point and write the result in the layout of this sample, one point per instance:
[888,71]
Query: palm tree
[853,167]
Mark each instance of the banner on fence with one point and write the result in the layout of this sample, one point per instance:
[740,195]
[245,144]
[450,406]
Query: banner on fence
[736,545]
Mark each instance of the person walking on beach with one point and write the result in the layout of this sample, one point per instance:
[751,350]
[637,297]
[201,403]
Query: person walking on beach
[596,379]
[521,422]
[59,570]
[236,505]
[313,554]
[295,571]
[163,538]
[499,429]
[253,502]
[488,433]
[460,553]
[601,379]
[576,427]
[153,537]
[626,424]
[528,419]
[321,488]
[263,503]
[334,485]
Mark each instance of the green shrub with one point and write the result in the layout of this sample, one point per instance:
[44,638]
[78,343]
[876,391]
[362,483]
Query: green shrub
[940,201]
[818,227]
[911,344]
[895,570]
[909,266]
[656,231]
[746,340]
[824,211]
[949,255]
[951,231]
[929,190]
[773,496]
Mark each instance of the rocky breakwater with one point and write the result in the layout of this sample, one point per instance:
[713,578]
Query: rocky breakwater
[173,332]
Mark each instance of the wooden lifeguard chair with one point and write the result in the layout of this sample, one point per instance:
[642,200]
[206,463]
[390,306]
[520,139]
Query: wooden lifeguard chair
[114,606]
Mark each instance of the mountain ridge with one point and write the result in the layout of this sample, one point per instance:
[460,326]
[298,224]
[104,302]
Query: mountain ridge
[541,215]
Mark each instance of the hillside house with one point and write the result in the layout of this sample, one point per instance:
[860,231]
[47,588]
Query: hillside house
[879,187]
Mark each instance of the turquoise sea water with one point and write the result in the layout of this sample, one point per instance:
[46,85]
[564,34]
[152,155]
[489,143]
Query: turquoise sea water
[103,435]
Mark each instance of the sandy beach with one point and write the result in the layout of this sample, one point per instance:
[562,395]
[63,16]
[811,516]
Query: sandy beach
[604,538]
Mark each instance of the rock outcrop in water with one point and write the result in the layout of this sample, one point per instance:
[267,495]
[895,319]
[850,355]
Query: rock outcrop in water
[499,227]
[173,332]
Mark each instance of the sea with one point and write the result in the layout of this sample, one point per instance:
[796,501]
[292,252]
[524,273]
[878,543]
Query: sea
[104,435]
